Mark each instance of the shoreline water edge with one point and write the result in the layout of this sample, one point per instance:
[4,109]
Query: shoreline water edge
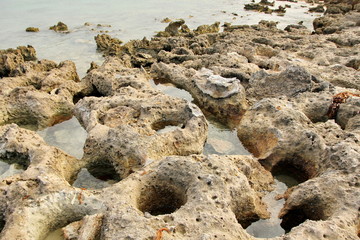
[220,131]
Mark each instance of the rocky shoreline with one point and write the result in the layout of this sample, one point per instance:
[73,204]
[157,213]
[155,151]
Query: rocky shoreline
[292,95]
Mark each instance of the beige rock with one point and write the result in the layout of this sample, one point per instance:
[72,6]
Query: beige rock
[42,95]
[223,97]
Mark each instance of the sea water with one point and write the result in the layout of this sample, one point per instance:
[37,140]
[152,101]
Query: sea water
[124,19]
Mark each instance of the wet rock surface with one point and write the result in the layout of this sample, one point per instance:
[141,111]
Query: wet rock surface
[293,97]
[60,27]
[162,194]
[136,113]
[37,94]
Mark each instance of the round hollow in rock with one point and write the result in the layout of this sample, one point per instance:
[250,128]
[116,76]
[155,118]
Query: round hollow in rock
[157,126]
[296,216]
[21,159]
[294,170]
[161,198]
[103,170]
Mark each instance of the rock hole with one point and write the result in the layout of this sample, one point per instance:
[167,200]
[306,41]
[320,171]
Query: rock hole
[161,198]
[57,233]
[222,140]
[12,163]
[170,89]
[269,228]
[309,211]
[94,93]
[77,97]
[97,175]
[166,126]
[290,173]
[2,222]
[69,136]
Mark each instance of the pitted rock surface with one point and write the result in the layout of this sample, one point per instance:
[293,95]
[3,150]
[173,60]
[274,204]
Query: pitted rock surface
[223,97]
[282,118]
[42,95]
[125,128]
[190,195]
[115,74]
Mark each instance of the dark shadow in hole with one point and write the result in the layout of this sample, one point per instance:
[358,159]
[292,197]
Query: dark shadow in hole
[95,93]
[2,222]
[161,198]
[103,170]
[96,175]
[165,123]
[284,169]
[298,215]
[14,157]
[62,225]
[248,220]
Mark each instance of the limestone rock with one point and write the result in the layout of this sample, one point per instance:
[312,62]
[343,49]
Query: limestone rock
[42,95]
[292,81]
[173,28]
[215,85]
[214,28]
[115,74]
[124,128]
[329,24]
[314,105]
[11,60]
[32,29]
[104,42]
[183,180]
[189,195]
[225,98]
[60,27]
[348,110]
[277,133]
[327,210]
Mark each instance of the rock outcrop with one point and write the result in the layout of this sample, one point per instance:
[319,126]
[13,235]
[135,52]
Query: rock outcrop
[139,115]
[222,97]
[36,94]
[60,27]
[189,196]
[292,95]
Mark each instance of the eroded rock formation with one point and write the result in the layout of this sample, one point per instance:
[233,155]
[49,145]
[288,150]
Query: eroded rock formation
[293,97]
[37,94]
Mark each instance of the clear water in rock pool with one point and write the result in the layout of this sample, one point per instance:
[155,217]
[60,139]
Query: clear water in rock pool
[171,90]
[69,136]
[269,228]
[55,235]
[128,19]
[7,170]
[86,180]
[221,139]
[168,129]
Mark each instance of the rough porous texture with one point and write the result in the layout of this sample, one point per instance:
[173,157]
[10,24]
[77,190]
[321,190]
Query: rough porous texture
[292,95]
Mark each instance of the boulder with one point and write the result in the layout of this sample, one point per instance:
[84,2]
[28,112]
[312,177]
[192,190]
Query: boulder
[125,128]
[38,94]
[32,29]
[222,97]
[278,134]
[11,60]
[292,81]
[60,27]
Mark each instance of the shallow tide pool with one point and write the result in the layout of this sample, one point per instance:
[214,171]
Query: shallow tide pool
[69,136]
[269,228]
